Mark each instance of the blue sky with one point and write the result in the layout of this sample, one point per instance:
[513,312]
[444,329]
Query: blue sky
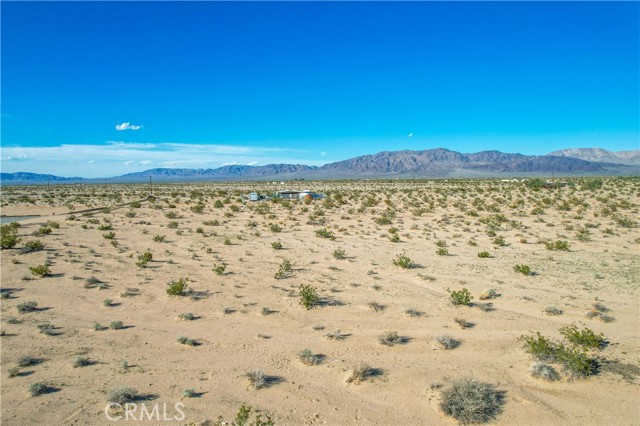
[204,84]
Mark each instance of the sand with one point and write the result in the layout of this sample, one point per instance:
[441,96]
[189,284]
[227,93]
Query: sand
[236,336]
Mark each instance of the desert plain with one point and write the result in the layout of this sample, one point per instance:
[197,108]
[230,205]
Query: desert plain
[377,257]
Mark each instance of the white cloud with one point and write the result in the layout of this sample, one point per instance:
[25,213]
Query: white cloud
[127,126]
[119,157]
[410,135]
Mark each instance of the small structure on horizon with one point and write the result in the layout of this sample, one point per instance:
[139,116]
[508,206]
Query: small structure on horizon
[299,195]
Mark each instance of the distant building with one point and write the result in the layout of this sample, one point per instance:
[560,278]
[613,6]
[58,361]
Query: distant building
[299,195]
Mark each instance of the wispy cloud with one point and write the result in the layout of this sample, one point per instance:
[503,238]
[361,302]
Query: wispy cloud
[128,126]
[119,157]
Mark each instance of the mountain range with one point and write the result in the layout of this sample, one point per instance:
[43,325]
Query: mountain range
[438,162]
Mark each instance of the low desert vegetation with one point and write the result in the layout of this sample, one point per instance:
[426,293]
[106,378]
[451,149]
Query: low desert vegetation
[461,297]
[308,296]
[178,288]
[470,401]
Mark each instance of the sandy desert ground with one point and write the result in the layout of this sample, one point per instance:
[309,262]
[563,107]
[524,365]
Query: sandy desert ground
[247,319]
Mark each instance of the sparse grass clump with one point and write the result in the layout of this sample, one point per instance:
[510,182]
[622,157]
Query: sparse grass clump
[484,254]
[325,233]
[257,379]
[186,341]
[187,316]
[470,401]
[308,296]
[123,395]
[360,373]
[219,269]
[339,254]
[447,342]
[413,313]
[309,358]
[551,310]
[27,361]
[39,388]
[461,297]
[81,362]
[488,294]
[391,338]
[178,288]
[189,393]
[276,245]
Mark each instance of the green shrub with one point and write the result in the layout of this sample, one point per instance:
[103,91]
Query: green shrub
[284,270]
[325,233]
[308,296]
[242,418]
[219,269]
[27,307]
[442,251]
[403,261]
[523,269]
[339,254]
[484,254]
[31,246]
[198,208]
[158,238]
[40,271]
[461,297]
[109,235]
[178,288]
[9,235]
[585,338]
[275,228]
[557,246]
[276,245]
[44,230]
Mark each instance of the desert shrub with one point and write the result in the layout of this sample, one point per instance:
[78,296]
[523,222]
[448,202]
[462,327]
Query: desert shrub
[187,316]
[413,312]
[484,254]
[116,325]
[198,208]
[123,395]
[543,371]
[284,269]
[360,373]
[574,360]
[27,307]
[158,238]
[308,296]
[9,235]
[309,358]
[335,335]
[39,388]
[257,379]
[488,294]
[557,246]
[403,261]
[276,245]
[47,329]
[447,342]
[40,271]
[499,241]
[242,418]
[275,228]
[394,238]
[375,307]
[325,233]
[552,310]
[109,235]
[81,362]
[461,297]
[523,269]
[130,214]
[442,251]
[105,227]
[391,338]
[147,256]
[107,302]
[44,230]
[623,221]
[585,338]
[27,361]
[178,288]
[339,254]
[186,341]
[171,215]
[219,269]
[31,246]
[470,401]
[463,323]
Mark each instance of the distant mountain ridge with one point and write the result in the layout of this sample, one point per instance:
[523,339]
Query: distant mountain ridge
[601,155]
[438,162]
